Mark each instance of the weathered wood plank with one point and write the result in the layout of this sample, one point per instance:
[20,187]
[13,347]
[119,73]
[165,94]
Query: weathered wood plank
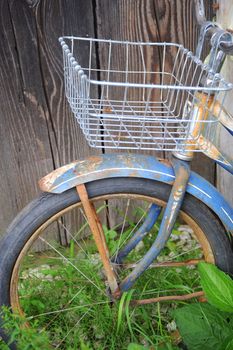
[37,129]
[149,20]
[176,23]
[25,149]
[153,20]
[224,179]
[54,19]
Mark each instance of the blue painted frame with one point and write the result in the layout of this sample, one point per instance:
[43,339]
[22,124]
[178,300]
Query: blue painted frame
[135,165]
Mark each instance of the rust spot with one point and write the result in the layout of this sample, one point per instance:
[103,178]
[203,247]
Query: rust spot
[133,173]
[165,161]
[128,159]
[88,165]
[167,298]
[210,150]
[107,110]
[215,7]
[95,159]
[46,182]
[98,234]
[230,30]
[117,294]
[202,299]
[203,106]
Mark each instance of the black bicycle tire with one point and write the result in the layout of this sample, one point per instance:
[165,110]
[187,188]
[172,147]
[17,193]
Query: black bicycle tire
[48,204]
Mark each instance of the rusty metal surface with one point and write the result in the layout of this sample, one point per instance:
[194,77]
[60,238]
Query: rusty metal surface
[212,152]
[15,302]
[46,183]
[182,172]
[190,262]
[134,165]
[205,106]
[98,234]
[168,298]
[200,112]
[103,166]
[225,118]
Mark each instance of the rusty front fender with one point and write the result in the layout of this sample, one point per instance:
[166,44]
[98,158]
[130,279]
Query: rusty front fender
[105,166]
[134,165]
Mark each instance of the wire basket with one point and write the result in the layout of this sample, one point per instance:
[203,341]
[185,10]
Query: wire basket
[135,95]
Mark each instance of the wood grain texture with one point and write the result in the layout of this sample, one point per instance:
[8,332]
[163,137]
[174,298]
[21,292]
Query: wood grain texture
[37,129]
[153,20]
[150,20]
[54,19]
[224,179]
[25,150]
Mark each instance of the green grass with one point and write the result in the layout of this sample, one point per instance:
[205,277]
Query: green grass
[89,320]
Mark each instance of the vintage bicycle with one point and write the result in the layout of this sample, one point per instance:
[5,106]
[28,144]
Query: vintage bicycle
[108,223]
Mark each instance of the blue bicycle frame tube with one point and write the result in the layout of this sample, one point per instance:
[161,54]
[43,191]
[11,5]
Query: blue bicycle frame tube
[182,173]
[147,225]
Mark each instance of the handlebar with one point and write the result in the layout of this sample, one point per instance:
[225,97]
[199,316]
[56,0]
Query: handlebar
[226,41]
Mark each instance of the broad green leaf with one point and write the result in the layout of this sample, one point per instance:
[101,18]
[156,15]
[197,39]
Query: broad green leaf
[218,286]
[227,344]
[203,327]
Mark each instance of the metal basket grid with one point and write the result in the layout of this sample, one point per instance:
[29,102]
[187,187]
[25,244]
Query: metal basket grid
[148,107]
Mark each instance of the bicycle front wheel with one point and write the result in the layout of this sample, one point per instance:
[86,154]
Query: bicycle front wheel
[51,271]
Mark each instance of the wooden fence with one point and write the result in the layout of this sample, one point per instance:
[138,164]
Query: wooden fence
[224,179]
[37,130]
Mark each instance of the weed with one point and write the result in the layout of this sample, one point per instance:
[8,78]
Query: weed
[64,296]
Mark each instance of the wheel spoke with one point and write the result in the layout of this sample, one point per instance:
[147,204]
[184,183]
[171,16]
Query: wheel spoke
[72,237]
[69,262]
[122,230]
[72,328]
[84,226]
[121,243]
[174,257]
[66,309]
[81,289]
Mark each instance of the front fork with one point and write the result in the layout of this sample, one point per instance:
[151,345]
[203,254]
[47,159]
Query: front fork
[182,173]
